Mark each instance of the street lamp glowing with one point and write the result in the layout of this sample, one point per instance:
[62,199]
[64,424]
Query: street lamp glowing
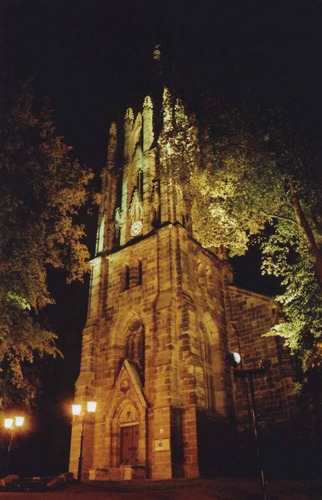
[76,410]
[237,357]
[233,359]
[8,423]
[11,423]
[19,421]
[91,406]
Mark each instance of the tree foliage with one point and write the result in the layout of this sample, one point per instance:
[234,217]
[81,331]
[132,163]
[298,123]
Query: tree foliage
[42,190]
[252,178]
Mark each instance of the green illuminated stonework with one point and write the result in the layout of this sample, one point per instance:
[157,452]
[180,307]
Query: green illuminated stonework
[163,312]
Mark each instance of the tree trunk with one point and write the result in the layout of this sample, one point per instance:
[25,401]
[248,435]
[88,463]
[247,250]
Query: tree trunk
[307,232]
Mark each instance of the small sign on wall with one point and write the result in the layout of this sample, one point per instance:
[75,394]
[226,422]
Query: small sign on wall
[162,444]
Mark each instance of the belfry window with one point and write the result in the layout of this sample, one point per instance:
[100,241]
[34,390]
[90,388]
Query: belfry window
[133,275]
[127,278]
[155,204]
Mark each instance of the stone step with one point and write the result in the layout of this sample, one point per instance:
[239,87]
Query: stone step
[15,483]
[26,484]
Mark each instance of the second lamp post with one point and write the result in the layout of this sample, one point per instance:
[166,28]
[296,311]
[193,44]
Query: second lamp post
[11,424]
[234,359]
[80,414]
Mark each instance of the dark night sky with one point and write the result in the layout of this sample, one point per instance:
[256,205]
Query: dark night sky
[93,58]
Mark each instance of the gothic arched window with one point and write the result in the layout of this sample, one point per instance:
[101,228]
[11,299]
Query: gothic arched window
[210,281]
[129,348]
[135,346]
[201,275]
[208,369]
[140,183]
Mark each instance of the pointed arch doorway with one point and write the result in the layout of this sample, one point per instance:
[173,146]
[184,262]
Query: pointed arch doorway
[128,425]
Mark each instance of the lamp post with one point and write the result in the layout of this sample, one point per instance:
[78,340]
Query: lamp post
[11,424]
[80,414]
[234,359]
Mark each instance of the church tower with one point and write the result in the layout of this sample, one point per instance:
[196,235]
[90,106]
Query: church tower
[162,315]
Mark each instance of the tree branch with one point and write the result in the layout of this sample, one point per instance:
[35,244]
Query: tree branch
[281,217]
[307,232]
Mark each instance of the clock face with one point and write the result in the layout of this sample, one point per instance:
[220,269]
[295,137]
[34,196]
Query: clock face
[136,228]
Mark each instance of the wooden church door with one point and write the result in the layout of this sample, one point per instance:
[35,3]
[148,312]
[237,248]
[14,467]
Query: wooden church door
[129,444]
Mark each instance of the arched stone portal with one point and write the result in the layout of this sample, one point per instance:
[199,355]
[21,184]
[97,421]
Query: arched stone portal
[127,424]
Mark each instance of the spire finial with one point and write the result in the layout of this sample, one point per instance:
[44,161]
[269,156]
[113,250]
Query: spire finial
[157,52]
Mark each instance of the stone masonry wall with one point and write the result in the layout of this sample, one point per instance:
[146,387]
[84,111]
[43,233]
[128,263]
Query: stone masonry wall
[252,315]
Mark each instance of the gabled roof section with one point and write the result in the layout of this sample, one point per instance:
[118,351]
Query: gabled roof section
[129,368]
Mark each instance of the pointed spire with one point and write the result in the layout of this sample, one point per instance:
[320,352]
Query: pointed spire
[129,115]
[148,102]
[111,148]
[113,130]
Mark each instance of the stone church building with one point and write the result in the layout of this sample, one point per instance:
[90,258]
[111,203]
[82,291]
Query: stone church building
[163,314]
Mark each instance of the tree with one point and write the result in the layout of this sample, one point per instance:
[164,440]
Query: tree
[251,178]
[42,190]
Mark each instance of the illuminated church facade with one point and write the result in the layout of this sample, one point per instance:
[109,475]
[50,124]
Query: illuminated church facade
[163,314]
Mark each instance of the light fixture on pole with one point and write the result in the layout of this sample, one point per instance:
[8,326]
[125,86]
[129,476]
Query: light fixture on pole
[234,359]
[80,414]
[12,424]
